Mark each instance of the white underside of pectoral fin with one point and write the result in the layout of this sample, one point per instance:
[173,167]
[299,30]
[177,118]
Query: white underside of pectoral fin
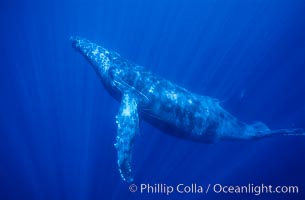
[128,123]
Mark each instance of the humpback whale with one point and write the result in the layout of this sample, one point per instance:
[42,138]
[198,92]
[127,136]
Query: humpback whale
[164,105]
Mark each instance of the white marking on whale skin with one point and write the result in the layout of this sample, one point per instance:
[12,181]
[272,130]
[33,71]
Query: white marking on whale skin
[126,112]
[192,116]
[172,95]
[95,51]
[105,62]
[128,108]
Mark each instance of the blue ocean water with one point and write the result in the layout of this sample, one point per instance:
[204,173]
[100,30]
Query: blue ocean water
[57,123]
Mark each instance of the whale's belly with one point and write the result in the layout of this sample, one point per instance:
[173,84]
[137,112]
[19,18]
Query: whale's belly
[187,114]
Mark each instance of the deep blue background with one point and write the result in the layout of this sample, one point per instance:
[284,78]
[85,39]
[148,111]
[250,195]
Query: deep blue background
[57,123]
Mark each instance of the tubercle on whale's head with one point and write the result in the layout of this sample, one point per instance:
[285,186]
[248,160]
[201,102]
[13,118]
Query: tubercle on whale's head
[98,56]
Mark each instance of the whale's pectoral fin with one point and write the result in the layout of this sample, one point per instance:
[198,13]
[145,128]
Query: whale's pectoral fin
[128,123]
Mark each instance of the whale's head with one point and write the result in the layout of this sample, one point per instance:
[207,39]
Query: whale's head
[99,57]
[114,71]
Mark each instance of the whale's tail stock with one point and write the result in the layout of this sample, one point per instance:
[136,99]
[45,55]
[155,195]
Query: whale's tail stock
[260,130]
[291,132]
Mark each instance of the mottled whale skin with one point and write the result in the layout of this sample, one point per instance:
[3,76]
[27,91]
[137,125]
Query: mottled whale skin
[164,105]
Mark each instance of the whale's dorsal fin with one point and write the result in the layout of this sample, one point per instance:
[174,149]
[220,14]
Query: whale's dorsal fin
[128,125]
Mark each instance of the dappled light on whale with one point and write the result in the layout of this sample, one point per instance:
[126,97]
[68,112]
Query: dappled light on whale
[164,105]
